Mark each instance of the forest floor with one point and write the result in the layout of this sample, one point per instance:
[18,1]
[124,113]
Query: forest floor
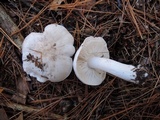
[131,29]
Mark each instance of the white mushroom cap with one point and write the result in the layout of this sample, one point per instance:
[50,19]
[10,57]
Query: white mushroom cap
[90,48]
[47,55]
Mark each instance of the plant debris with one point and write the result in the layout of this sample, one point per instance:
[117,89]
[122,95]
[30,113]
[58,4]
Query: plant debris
[131,29]
[38,64]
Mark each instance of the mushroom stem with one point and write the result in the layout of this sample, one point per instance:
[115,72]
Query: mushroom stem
[121,70]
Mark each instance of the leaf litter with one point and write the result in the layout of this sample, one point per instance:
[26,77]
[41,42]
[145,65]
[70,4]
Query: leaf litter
[131,29]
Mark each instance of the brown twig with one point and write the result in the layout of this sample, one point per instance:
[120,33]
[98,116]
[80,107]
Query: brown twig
[8,27]
[28,109]
[34,18]
[131,12]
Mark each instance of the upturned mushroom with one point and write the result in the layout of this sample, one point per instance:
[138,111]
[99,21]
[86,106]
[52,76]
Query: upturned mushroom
[91,62]
[47,55]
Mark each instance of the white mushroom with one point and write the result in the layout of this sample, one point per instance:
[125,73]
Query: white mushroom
[91,62]
[47,55]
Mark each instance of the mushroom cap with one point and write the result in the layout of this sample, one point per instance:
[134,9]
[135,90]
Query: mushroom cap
[91,47]
[47,55]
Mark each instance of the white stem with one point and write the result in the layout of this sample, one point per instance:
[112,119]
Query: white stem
[123,71]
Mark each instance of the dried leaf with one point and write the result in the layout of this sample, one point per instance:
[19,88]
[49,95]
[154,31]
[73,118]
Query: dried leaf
[56,2]
[20,117]
[1,49]
[1,90]
[22,91]
[3,115]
